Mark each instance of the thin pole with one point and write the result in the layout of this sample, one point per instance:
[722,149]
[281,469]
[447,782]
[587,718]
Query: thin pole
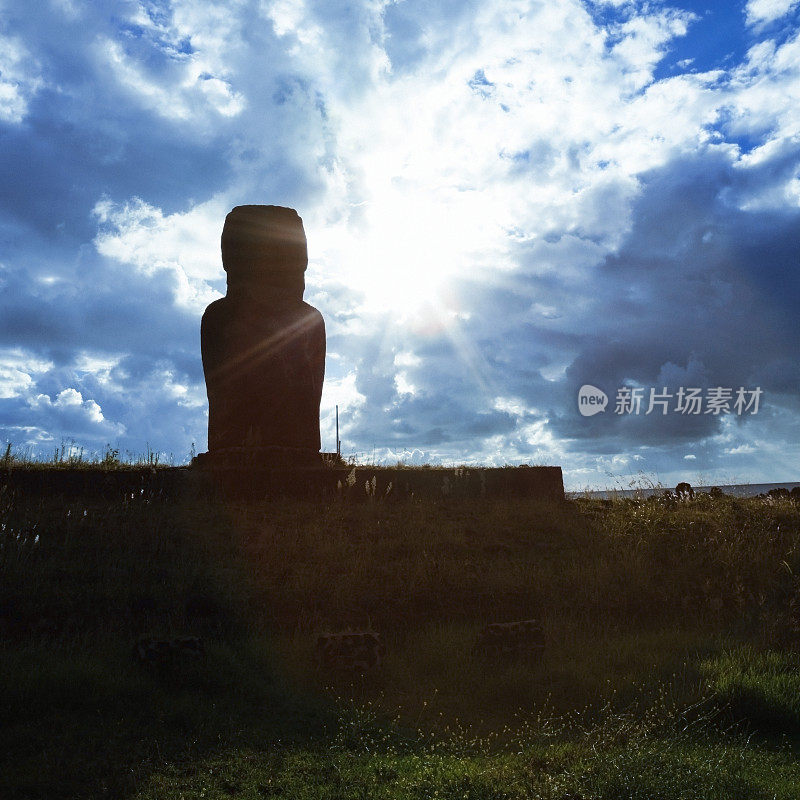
[338,443]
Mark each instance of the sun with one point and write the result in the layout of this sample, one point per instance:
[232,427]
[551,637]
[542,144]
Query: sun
[403,248]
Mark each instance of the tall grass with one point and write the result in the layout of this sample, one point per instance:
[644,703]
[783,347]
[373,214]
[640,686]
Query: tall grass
[666,625]
[70,455]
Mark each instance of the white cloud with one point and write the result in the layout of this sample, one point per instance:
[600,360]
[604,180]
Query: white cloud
[18,372]
[176,61]
[742,449]
[344,393]
[524,121]
[75,413]
[20,79]
[100,367]
[643,41]
[764,95]
[69,8]
[290,17]
[13,381]
[188,94]
[553,141]
[181,394]
[187,244]
[403,385]
[761,12]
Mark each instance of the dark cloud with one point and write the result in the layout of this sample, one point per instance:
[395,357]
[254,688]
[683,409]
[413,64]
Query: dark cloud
[701,293]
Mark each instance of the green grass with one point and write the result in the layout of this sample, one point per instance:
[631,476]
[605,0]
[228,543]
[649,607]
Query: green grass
[670,669]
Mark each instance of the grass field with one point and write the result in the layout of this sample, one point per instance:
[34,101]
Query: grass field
[671,670]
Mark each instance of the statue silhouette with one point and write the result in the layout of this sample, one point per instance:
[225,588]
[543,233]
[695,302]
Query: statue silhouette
[263,347]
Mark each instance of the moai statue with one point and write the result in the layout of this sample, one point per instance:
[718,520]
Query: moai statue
[263,347]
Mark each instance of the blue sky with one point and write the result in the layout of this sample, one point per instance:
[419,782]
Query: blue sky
[504,201]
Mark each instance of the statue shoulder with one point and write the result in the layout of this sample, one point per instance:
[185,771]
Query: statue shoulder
[316,319]
[311,311]
[217,307]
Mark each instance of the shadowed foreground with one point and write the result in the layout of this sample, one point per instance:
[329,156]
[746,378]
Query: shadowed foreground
[671,634]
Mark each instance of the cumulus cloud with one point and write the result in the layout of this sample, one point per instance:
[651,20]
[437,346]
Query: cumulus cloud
[69,410]
[184,244]
[18,371]
[761,12]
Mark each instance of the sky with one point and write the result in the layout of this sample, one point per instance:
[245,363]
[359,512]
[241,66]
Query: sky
[504,202]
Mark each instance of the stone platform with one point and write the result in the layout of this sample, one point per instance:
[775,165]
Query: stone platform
[360,483]
[389,483]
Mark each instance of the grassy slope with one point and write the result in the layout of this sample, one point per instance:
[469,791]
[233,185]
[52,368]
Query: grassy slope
[665,625]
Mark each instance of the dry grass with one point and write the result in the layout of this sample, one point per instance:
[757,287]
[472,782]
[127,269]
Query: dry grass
[626,591]
[645,605]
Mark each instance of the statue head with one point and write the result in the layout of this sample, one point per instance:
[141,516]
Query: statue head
[265,245]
